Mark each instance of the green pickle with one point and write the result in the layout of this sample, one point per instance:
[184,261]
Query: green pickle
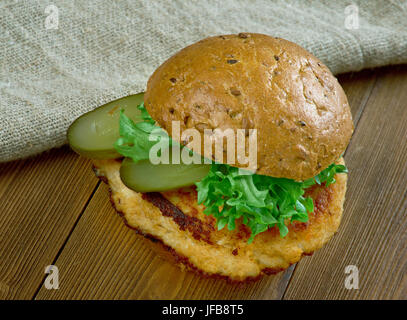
[93,134]
[144,176]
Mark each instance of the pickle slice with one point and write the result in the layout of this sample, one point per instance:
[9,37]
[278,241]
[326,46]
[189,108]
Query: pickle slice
[144,176]
[93,134]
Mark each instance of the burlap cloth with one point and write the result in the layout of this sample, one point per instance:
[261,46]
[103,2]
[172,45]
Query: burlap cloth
[103,50]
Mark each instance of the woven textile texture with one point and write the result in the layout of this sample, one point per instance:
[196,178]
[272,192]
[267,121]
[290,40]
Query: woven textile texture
[60,59]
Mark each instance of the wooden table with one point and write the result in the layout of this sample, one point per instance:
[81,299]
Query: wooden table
[54,211]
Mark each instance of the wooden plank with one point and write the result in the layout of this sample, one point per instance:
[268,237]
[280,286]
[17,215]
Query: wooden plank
[373,234]
[105,260]
[358,86]
[40,200]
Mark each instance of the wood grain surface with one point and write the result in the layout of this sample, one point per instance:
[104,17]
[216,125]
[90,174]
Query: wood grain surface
[40,199]
[54,211]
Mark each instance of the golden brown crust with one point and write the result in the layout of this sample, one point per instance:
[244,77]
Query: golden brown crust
[254,81]
[190,238]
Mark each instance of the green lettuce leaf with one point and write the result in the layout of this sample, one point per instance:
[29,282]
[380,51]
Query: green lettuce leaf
[136,139]
[261,201]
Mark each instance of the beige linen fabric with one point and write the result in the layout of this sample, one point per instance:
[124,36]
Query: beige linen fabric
[103,50]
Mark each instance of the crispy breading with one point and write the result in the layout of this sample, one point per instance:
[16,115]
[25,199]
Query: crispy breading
[175,222]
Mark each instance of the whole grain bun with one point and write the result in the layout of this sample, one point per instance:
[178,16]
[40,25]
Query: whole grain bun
[255,81]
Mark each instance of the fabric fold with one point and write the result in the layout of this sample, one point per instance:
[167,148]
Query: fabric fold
[60,60]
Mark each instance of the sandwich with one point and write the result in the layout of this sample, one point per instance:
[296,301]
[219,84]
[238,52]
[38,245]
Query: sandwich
[233,208]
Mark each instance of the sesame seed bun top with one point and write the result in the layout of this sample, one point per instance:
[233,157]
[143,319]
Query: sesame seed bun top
[255,81]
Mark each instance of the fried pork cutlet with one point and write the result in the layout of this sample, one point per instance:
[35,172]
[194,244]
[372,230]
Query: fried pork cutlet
[176,224]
